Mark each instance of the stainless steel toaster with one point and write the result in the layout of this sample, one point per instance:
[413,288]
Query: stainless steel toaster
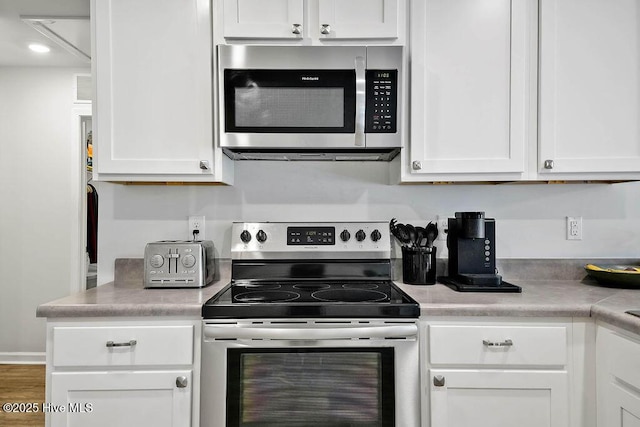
[179,264]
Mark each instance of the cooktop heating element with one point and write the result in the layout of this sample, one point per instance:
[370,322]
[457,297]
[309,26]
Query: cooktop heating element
[282,270]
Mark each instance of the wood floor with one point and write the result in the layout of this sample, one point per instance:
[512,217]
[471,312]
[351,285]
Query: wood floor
[22,384]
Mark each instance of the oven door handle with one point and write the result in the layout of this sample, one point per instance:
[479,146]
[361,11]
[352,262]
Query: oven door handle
[409,331]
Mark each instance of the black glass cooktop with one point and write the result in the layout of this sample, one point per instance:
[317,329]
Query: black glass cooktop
[344,299]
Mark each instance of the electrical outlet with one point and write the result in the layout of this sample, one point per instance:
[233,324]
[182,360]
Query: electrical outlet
[196,223]
[574,228]
[443,226]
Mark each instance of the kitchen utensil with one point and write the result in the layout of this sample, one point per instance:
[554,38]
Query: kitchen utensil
[431,233]
[421,237]
[399,231]
[412,235]
[403,234]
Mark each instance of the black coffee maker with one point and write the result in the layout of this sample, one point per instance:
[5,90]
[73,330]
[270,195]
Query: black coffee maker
[472,258]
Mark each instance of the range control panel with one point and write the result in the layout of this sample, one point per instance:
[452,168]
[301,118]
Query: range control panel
[334,240]
[381,98]
[311,235]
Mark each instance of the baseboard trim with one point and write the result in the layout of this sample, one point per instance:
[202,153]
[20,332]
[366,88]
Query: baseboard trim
[22,358]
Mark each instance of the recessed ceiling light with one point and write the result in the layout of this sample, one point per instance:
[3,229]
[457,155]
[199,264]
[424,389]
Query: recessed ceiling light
[40,48]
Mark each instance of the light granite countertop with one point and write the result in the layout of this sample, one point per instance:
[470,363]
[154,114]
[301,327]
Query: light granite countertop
[572,297]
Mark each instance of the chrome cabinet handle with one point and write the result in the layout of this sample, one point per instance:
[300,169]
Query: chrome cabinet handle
[438,381]
[416,165]
[296,29]
[181,382]
[325,29]
[505,343]
[122,344]
[548,164]
[204,165]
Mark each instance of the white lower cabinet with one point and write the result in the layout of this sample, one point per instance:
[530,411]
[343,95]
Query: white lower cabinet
[498,398]
[128,398]
[618,374]
[497,373]
[123,373]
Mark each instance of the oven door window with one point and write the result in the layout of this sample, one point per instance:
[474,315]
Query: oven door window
[327,387]
[290,101]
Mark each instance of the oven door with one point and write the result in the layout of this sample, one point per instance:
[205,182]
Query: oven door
[293,97]
[275,373]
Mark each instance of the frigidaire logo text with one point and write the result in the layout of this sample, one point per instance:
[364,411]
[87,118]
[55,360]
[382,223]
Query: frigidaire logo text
[310,78]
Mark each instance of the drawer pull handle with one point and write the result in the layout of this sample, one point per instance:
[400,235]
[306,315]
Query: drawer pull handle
[122,344]
[505,343]
[438,381]
[181,382]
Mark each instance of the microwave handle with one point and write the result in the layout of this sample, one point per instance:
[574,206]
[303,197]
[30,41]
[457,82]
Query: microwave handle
[361,81]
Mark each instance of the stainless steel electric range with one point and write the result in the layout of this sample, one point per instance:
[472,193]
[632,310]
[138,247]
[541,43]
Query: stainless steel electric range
[311,327]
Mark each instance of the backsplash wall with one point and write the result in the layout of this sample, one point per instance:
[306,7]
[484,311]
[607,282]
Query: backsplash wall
[530,218]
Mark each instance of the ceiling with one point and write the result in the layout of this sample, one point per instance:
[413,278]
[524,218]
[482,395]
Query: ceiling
[72,25]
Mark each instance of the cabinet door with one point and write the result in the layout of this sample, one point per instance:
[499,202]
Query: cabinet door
[355,19]
[618,378]
[107,399]
[589,86]
[487,398]
[470,86]
[272,19]
[622,406]
[152,68]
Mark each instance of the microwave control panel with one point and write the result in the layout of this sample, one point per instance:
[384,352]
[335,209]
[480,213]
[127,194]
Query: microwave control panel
[382,96]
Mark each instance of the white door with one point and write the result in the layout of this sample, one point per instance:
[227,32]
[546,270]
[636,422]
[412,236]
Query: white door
[473,398]
[357,19]
[152,67]
[470,86]
[622,405]
[272,19]
[108,399]
[589,86]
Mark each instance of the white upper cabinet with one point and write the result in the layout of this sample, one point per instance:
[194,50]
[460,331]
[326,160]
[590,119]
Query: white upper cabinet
[153,84]
[354,19]
[470,90]
[273,19]
[311,20]
[589,87]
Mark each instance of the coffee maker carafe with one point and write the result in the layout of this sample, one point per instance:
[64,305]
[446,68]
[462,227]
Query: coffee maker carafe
[472,257]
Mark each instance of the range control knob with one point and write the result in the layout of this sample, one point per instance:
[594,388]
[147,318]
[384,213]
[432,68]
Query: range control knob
[375,235]
[345,235]
[156,261]
[245,236]
[189,261]
[360,235]
[261,236]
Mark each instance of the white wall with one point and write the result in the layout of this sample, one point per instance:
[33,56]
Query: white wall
[530,218]
[37,164]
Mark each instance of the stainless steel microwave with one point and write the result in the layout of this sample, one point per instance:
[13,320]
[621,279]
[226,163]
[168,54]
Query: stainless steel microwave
[310,102]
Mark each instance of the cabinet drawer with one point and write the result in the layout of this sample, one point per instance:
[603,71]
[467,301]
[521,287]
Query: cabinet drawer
[123,346]
[498,345]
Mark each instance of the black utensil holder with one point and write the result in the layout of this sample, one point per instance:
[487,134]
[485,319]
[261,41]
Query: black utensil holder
[419,266]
